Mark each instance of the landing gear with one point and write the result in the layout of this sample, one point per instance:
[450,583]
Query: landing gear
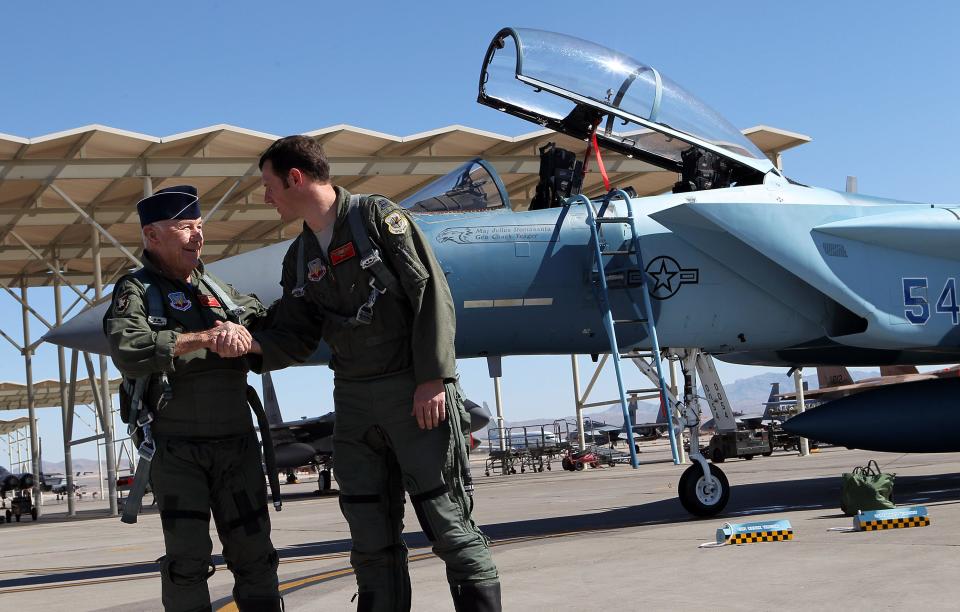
[702,496]
[325,481]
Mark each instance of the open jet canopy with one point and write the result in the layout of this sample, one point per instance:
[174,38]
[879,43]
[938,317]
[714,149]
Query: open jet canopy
[574,86]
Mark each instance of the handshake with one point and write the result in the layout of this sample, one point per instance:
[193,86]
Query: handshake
[229,339]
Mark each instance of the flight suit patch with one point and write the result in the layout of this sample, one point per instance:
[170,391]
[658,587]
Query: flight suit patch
[396,223]
[342,253]
[316,269]
[179,301]
[123,302]
[209,301]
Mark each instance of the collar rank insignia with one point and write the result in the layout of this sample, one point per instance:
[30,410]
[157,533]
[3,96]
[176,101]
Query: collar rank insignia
[342,253]
[396,223]
[210,301]
[179,301]
[316,269]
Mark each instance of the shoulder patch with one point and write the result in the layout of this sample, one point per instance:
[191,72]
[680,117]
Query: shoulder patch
[396,223]
[121,305]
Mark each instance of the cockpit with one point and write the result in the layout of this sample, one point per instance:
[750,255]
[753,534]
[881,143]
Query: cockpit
[598,95]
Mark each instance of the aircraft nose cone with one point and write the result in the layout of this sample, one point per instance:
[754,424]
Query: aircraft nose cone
[83,332]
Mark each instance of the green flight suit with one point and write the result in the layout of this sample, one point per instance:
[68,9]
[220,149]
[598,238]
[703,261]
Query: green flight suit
[207,453]
[379,450]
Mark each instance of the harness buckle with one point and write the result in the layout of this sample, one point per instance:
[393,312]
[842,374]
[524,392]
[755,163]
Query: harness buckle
[371,260]
[297,292]
[147,449]
[157,321]
[373,285]
[145,419]
[365,313]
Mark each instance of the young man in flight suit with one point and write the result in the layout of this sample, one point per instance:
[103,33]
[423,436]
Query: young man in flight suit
[207,455]
[400,416]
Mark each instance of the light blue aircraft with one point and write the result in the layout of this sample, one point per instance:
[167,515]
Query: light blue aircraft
[739,261]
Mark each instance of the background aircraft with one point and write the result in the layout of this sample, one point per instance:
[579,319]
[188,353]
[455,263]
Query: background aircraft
[739,261]
[310,441]
[836,382]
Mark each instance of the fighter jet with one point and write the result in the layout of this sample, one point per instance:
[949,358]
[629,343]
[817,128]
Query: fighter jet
[737,259]
[836,382]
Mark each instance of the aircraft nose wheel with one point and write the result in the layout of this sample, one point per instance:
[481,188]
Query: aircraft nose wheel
[701,496]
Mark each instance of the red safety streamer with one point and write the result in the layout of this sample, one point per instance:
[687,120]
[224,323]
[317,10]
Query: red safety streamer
[596,150]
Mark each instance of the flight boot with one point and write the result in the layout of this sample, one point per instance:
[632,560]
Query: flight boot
[476,597]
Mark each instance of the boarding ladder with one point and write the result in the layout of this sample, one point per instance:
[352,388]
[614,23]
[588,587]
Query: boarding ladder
[642,313]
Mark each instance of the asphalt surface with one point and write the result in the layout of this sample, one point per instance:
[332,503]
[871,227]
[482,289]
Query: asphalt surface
[611,537]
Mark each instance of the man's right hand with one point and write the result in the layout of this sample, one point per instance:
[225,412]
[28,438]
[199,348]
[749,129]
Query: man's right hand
[230,339]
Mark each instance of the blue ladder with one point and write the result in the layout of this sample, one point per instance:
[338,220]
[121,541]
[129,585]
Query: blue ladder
[595,219]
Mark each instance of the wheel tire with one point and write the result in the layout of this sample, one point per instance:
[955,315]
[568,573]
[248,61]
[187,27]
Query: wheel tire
[580,466]
[325,481]
[33,514]
[748,457]
[718,456]
[702,498]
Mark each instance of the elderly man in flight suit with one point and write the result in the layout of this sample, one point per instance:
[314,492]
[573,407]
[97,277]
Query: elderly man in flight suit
[207,456]
[400,416]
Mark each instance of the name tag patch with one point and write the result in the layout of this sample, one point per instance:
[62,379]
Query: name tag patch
[342,253]
[179,301]
[316,269]
[209,301]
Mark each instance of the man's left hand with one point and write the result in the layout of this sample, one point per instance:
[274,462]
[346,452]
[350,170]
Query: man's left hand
[429,404]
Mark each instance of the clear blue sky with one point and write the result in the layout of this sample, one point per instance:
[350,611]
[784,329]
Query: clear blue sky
[874,84]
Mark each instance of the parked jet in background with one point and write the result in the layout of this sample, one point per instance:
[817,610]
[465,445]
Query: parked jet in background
[309,441]
[836,382]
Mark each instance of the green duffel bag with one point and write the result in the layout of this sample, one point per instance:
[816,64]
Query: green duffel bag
[866,488]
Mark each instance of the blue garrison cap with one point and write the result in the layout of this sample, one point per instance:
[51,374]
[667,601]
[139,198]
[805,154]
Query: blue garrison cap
[179,202]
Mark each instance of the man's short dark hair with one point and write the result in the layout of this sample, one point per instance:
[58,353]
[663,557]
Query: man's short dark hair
[300,152]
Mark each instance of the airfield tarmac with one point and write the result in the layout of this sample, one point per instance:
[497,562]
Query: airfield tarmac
[611,537]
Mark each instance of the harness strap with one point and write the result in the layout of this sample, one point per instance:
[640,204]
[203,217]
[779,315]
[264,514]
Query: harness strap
[381,278]
[369,254]
[269,455]
[301,269]
[131,507]
[223,296]
[156,315]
